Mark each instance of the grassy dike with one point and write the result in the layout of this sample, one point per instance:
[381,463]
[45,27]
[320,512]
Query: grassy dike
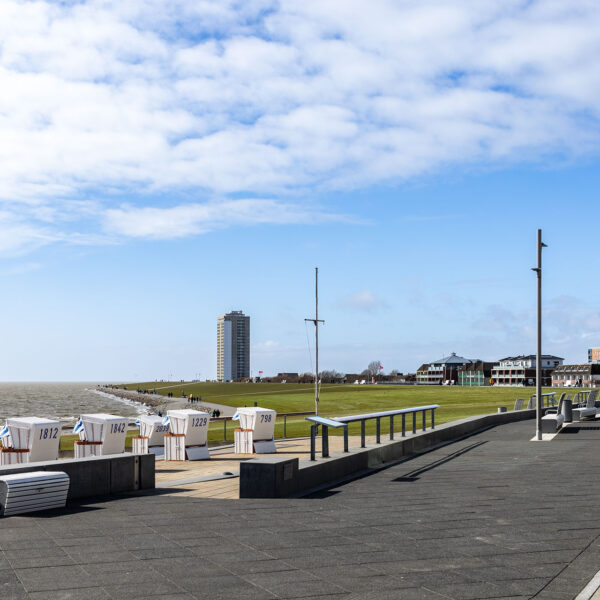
[455,402]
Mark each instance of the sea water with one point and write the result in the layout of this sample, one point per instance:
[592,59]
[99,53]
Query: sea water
[62,401]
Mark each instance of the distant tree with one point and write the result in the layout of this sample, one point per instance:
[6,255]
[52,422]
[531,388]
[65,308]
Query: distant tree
[328,375]
[374,368]
[306,378]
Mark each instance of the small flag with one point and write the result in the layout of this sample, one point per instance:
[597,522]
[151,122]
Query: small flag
[166,420]
[236,417]
[380,366]
[5,432]
[78,426]
[260,371]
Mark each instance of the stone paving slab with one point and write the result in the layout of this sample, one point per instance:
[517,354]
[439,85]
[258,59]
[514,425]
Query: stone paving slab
[206,479]
[491,516]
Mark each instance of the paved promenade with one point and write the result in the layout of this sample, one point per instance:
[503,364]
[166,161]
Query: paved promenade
[200,479]
[491,516]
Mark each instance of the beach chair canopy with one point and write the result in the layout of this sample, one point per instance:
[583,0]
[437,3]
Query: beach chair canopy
[111,430]
[192,423]
[260,420]
[38,435]
[151,426]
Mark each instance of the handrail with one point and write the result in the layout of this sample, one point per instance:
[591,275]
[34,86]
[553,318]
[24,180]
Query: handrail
[325,425]
[385,413]
[363,419]
[325,422]
[391,413]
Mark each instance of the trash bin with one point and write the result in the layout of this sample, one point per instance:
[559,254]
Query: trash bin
[187,436]
[567,410]
[31,439]
[256,432]
[502,409]
[151,439]
[100,434]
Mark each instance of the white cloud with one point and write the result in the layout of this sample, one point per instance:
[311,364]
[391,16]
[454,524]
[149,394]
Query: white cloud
[569,326]
[184,220]
[18,237]
[265,98]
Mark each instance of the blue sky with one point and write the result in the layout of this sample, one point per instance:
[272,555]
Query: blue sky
[163,163]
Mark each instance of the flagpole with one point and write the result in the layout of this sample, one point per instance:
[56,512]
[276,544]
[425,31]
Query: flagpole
[316,322]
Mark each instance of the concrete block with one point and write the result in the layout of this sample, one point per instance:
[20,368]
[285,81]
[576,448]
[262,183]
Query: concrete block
[147,472]
[89,477]
[124,474]
[269,477]
[550,423]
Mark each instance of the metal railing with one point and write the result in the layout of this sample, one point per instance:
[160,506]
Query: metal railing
[294,414]
[391,414]
[548,400]
[581,397]
[344,421]
[325,425]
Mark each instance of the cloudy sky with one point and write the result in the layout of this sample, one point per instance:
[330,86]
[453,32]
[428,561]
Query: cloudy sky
[165,161]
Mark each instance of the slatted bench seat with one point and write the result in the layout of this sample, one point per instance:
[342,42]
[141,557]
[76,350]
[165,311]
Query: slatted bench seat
[32,491]
[554,418]
[552,422]
[579,414]
[587,410]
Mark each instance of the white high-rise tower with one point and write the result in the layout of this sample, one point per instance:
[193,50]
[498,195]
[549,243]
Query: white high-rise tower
[233,346]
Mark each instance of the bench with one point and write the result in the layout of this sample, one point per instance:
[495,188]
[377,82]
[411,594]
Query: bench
[586,411]
[32,491]
[552,422]
[554,418]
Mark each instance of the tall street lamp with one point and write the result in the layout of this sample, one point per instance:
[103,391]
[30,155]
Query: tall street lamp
[538,357]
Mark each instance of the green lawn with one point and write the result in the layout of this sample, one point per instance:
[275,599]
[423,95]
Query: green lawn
[455,402]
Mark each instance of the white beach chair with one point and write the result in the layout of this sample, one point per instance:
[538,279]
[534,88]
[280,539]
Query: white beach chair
[31,439]
[100,434]
[151,439]
[187,436]
[256,432]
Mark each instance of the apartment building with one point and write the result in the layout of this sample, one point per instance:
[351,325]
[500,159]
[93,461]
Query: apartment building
[521,370]
[587,375]
[233,346]
[442,371]
[594,355]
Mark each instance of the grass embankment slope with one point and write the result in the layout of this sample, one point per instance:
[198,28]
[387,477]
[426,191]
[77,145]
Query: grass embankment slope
[455,402]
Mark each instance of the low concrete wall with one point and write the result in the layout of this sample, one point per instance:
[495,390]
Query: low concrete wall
[276,477]
[98,475]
